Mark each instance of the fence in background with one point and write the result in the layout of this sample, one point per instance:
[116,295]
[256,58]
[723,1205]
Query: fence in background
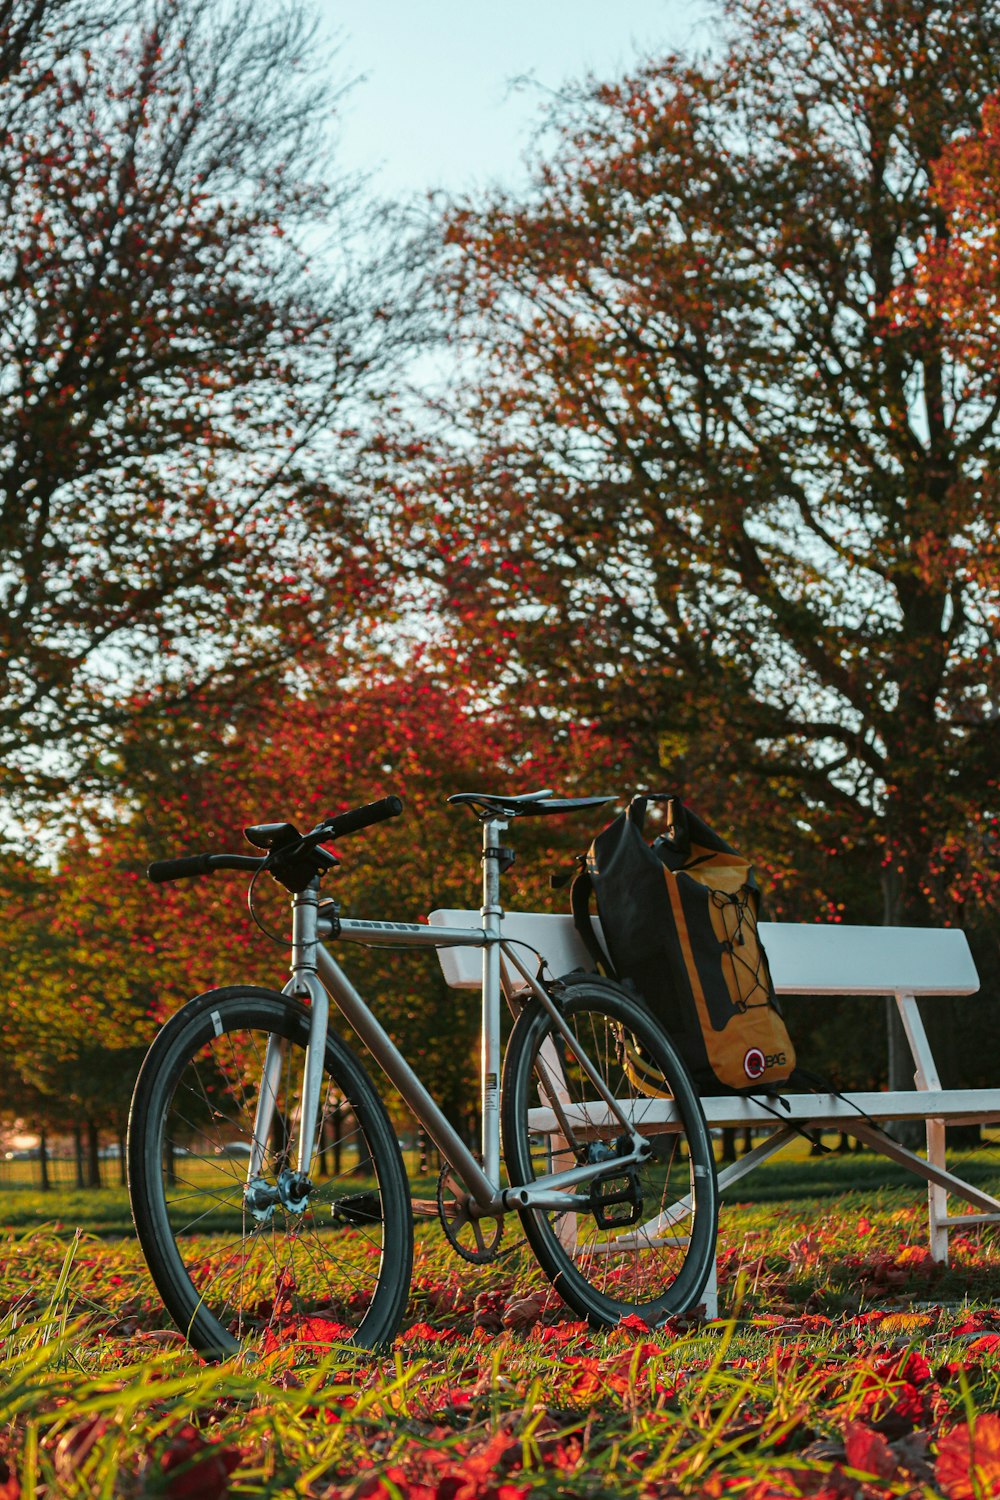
[24,1170]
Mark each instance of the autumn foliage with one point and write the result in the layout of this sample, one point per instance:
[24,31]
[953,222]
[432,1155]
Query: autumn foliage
[957,283]
[136,952]
[719,494]
[175,436]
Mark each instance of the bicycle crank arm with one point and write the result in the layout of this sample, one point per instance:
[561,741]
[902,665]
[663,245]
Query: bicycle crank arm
[524,1197]
[569,1203]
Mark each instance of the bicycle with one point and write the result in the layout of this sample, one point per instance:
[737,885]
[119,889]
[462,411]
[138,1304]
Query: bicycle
[266,1180]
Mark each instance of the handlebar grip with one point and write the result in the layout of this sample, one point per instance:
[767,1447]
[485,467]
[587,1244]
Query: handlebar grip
[364,817]
[179,869]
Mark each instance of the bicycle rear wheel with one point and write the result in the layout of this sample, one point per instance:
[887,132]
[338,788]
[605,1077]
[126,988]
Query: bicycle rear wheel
[645,1243]
[238,1274]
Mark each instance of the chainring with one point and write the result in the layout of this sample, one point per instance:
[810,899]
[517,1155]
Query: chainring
[464,1231]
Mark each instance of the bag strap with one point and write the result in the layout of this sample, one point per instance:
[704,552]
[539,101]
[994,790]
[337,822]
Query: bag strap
[580,892]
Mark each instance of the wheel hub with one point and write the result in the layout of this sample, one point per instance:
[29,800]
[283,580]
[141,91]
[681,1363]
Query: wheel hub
[291,1190]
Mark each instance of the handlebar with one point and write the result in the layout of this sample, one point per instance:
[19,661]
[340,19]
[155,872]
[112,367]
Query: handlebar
[360,817]
[292,858]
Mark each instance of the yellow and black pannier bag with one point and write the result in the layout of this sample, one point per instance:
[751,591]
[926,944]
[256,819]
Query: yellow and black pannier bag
[679,919]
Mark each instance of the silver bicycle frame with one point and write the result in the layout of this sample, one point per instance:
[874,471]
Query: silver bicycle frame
[317,975]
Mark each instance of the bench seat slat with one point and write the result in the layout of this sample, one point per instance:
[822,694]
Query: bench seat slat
[813,959]
[959,1106]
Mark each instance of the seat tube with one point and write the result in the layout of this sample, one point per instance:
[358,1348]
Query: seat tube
[492,914]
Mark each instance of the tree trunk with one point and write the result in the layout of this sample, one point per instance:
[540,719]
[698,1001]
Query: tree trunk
[44,1181]
[122,1174]
[337,1122]
[78,1156]
[279,1140]
[93,1160]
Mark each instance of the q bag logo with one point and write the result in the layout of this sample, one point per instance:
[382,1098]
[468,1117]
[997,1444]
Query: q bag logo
[679,918]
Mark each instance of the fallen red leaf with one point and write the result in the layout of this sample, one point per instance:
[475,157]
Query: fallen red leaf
[634,1324]
[524,1312]
[74,1447]
[968,1464]
[985,1344]
[196,1469]
[10,1489]
[392,1485]
[428,1333]
[868,1451]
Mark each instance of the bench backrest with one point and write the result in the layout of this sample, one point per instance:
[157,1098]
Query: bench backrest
[806,959]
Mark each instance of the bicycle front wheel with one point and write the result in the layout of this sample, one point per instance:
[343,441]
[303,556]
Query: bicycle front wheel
[249,1265]
[642,1241]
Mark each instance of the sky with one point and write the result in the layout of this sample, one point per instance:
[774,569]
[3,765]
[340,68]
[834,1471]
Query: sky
[438,106]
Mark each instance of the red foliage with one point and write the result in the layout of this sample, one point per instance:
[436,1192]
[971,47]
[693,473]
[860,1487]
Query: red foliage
[10,1489]
[196,1468]
[968,1464]
[957,280]
[868,1451]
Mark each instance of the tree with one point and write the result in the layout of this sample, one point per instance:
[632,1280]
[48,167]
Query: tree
[99,958]
[74,1018]
[180,380]
[956,284]
[714,491]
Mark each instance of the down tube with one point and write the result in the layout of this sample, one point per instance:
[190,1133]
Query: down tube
[399,1072]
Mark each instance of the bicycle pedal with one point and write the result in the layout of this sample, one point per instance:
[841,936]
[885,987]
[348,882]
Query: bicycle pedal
[357,1209]
[616,1202]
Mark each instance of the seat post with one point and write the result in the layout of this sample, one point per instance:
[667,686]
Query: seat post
[492,914]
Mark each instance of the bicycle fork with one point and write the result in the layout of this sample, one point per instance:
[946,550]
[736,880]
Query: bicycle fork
[292,1188]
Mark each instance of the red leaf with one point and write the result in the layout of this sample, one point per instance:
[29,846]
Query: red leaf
[634,1324]
[10,1489]
[427,1333]
[196,1469]
[74,1446]
[968,1465]
[868,1451]
[524,1312]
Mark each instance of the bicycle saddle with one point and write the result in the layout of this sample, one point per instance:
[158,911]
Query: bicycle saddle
[528,805]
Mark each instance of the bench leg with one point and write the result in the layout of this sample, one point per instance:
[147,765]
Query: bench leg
[937,1195]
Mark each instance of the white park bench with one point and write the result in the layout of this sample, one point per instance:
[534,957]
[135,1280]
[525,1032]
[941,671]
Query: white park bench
[817,959]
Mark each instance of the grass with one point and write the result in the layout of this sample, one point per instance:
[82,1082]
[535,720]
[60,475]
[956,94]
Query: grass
[792,1177]
[845,1353]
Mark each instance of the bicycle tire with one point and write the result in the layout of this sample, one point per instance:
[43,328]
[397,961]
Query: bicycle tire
[232,1283]
[664,1274]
